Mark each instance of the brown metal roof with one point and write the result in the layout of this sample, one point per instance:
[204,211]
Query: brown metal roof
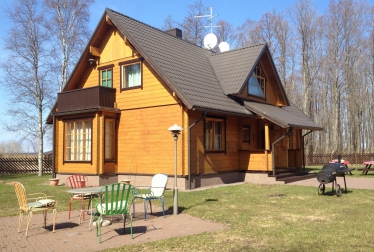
[289,116]
[184,66]
[233,67]
[202,79]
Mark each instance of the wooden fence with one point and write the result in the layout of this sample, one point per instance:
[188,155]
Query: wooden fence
[353,158]
[17,165]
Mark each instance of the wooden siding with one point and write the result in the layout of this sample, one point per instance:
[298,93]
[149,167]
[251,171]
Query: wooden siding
[255,160]
[202,162]
[153,93]
[145,145]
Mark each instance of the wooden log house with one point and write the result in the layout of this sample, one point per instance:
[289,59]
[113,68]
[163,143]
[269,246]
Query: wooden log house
[133,81]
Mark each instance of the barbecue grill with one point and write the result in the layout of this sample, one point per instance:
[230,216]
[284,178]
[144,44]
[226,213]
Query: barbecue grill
[328,174]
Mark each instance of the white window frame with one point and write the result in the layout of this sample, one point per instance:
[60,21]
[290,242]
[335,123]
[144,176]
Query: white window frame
[124,82]
[258,81]
[78,140]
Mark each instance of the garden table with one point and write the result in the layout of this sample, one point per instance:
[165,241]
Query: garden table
[92,191]
[367,167]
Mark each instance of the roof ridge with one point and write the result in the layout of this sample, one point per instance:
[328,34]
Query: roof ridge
[158,29]
[238,49]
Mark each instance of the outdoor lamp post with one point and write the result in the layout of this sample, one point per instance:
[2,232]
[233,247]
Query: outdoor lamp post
[175,131]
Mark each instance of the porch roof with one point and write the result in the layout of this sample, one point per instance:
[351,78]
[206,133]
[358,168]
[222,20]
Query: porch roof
[289,116]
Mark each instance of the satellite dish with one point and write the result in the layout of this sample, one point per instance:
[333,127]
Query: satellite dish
[223,47]
[210,41]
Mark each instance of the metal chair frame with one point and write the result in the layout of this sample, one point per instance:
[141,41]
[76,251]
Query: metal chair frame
[38,202]
[115,199]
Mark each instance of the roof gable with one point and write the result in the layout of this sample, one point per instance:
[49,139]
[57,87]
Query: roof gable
[233,67]
[184,66]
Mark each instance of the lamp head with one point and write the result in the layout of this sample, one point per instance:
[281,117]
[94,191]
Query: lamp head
[92,62]
[175,130]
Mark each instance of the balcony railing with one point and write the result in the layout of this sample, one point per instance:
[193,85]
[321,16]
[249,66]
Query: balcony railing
[86,98]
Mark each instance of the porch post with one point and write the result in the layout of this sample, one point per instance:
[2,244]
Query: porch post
[267,145]
[273,149]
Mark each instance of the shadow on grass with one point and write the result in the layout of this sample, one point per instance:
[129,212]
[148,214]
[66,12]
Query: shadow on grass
[181,209]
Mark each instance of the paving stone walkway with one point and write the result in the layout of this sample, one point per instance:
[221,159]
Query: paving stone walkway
[70,236]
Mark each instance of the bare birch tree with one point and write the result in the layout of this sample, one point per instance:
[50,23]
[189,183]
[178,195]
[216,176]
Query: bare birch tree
[68,28]
[26,72]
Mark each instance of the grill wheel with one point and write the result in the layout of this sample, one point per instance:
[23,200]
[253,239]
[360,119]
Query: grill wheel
[338,190]
[321,189]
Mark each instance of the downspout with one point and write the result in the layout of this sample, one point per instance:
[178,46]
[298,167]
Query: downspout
[272,149]
[302,139]
[53,147]
[189,148]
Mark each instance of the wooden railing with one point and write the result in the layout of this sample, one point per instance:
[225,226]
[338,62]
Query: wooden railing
[86,98]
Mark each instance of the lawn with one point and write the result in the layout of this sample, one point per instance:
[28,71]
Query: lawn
[260,217]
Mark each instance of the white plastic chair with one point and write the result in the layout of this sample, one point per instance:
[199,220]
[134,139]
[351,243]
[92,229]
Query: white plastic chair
[154,192]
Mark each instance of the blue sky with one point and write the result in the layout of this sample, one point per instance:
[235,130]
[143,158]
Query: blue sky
[154,12]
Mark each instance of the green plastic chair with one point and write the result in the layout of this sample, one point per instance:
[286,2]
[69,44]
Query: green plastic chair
[115,199]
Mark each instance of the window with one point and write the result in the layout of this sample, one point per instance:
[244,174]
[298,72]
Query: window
[106,78]
[110,139]
[131,75]
[246,132]
[78,135]
[214,135]
[256,83]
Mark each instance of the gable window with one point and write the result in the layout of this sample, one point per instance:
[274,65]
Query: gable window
[131,73]
[106,75]
[106,78]
[78,135]
[109,139]
[257,82]
[246,132]
[214,134]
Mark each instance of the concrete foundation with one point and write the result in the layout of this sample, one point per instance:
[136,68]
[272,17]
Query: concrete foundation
[197,181]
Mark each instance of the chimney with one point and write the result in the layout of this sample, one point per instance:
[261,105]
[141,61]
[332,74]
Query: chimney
[175,32]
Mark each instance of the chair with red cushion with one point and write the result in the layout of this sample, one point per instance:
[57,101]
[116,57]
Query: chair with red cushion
[78,181]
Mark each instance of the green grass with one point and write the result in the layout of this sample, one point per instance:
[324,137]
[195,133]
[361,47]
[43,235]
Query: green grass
[260,217]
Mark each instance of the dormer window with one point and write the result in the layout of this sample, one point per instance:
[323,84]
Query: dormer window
[256,83]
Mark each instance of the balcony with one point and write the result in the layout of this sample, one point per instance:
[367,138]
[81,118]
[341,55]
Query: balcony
[86,98]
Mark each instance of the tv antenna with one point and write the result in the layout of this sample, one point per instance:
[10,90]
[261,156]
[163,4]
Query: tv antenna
[210,18]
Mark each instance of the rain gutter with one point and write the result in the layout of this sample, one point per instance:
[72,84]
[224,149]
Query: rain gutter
[189,148]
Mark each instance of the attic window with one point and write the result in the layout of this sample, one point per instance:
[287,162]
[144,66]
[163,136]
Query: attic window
[256,83]
[131,74]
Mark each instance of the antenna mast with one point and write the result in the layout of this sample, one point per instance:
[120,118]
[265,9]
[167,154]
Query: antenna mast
[209,19]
